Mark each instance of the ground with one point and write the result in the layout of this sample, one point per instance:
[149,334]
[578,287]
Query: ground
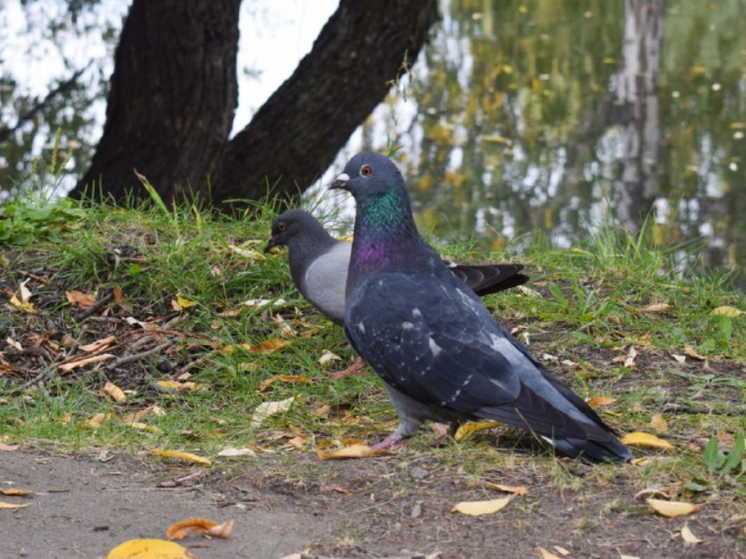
[164,303]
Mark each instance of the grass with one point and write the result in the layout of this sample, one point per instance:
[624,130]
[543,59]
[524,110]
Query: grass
[584,310]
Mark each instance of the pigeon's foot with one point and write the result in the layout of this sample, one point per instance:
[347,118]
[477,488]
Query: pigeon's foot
[351,370]
[392,441]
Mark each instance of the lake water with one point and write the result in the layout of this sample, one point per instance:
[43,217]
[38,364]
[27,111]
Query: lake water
[558,116]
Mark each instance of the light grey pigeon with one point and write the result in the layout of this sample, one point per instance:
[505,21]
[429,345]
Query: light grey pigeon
[437,349]
[319,263]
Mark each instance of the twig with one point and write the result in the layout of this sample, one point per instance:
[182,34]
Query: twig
[95,307]
[134,357]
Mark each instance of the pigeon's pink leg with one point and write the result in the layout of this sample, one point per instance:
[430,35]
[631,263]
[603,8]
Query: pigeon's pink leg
[351,370]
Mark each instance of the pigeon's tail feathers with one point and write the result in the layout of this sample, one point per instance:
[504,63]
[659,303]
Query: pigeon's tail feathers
[489,278]
[608,450]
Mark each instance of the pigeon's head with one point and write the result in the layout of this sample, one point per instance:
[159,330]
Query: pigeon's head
[288,225]
[369,175]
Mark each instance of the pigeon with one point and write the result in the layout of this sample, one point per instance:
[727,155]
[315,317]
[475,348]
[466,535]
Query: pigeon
[319,263]
[441,355]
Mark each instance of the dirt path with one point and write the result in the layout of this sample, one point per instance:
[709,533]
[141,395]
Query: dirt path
[393,506]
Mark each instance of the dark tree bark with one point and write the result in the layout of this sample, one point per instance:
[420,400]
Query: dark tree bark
[290,141]
[172,98]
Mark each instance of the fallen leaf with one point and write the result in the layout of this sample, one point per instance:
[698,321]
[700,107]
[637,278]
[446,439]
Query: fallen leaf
[181,530]
[143,427]
[352,451]
[516,490]
[180,387]
[9,447]
[24,306]
[528,291]
[478,508]
[298,442]
[658,423]
[638,438]
[328,357]
[599,401]
[267,383]
[25,292]
[730,312]
[679,358]
[14,344]
[471,427]
[178,455]
[81,299]
[264,302]
[116,393]
[629,359]
[672,509]
[98,420]
[4,505]
[545,554]
[561,550]
[232,452]
[656,308]
[180,303]
[267,346]
[249,253]
[98,344]
[689,351]
[688,536]
[66,367]
[149,549]
[267,409]
[13,492]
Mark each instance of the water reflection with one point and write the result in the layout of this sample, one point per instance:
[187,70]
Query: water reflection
[557,115]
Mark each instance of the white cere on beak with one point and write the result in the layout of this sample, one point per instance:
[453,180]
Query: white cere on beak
[344,177]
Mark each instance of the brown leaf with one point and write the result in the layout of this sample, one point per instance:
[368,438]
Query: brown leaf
[267,346]
[13,492]
[353,451]
[656,308]
[515,490]
[690,352]
[9,447]
[66,367]
[81,299]
[98,344]
[267,383]
[180,530]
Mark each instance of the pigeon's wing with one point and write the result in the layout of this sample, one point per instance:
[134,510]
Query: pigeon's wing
[484,279]
[433,340]
[325,279]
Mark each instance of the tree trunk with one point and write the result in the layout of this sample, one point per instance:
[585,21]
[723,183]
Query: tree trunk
[172,98]
[638,109]
[294,137]
[173,95]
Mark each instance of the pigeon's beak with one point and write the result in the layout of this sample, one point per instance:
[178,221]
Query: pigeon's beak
[341,181]
[270,245]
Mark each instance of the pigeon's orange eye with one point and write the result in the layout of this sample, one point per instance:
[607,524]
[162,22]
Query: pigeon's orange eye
[366,170]
[281,226]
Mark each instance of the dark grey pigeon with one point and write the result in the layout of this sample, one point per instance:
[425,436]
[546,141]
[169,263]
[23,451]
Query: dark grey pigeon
[438,350]
[319,263]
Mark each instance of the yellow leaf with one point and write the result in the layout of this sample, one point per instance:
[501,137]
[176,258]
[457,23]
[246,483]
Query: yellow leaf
[638,438]
[516,490]
[115,392]
[249,253]
[688,536]
[98,420]
[658,423]
[4,505]
[468,429]
[727,311]
[352,451]
[267,346]
[672,509]
[267,409]
[180,387]
[187,456]
[477,508]
[181,303]
[149,549]
[24,306]
[656,308]
[598,401]
[12,491]
[545,554]
[144,427]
